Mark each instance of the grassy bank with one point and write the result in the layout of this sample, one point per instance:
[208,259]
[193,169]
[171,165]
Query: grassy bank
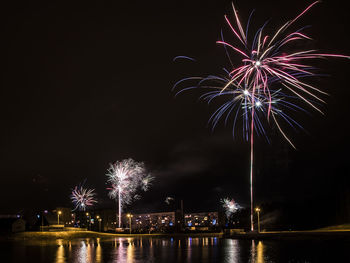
[69,235]
[298,235]
[324,233]
[336,228]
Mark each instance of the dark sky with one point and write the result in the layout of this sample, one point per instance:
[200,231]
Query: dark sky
[86,83]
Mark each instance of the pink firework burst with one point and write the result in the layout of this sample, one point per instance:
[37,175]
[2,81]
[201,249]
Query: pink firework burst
[83,198]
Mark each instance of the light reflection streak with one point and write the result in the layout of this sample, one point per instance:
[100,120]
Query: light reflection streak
[60,258]
[130,251]
[252,252]
[121,256]
[179,249]
[260,252]
[85,251]
[98,252]
[215,239]
[82,252]
[189,249]
[232,254]
[257,252]
[151,252]
[88,256]
[205,250]
[124,250]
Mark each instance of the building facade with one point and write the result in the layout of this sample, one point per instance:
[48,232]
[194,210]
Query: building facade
[201,220]
[153,222]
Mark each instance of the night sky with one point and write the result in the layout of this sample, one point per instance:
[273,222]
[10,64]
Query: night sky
[88,83]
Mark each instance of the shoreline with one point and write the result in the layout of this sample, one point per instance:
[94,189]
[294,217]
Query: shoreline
[276,235]
[69,235]
[293,235]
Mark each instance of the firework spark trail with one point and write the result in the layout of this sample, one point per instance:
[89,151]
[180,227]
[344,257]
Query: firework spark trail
[262,62]
[230,206]
[169,199]
[267,63]
[255,104]
[241,102]
[83,198]
[126,177]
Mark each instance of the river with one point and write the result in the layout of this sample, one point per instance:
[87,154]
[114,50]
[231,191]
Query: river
[169,250]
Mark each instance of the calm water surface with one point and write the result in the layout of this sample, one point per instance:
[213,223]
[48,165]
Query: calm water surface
[171,250]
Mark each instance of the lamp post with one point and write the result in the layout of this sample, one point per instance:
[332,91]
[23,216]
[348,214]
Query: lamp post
[58,217]
[129,216]
[88,220]
[42,221]
[258,211]
[99,223]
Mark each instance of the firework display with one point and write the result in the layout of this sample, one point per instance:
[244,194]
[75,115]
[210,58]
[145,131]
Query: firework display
[83,198]
[169,199]
[230,206]
[126,178]
[267,85]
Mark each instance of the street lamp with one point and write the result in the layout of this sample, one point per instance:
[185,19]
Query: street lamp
[258,211]
[99,223]
[58,217]
[129,216]
[42,221]
[88,220]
